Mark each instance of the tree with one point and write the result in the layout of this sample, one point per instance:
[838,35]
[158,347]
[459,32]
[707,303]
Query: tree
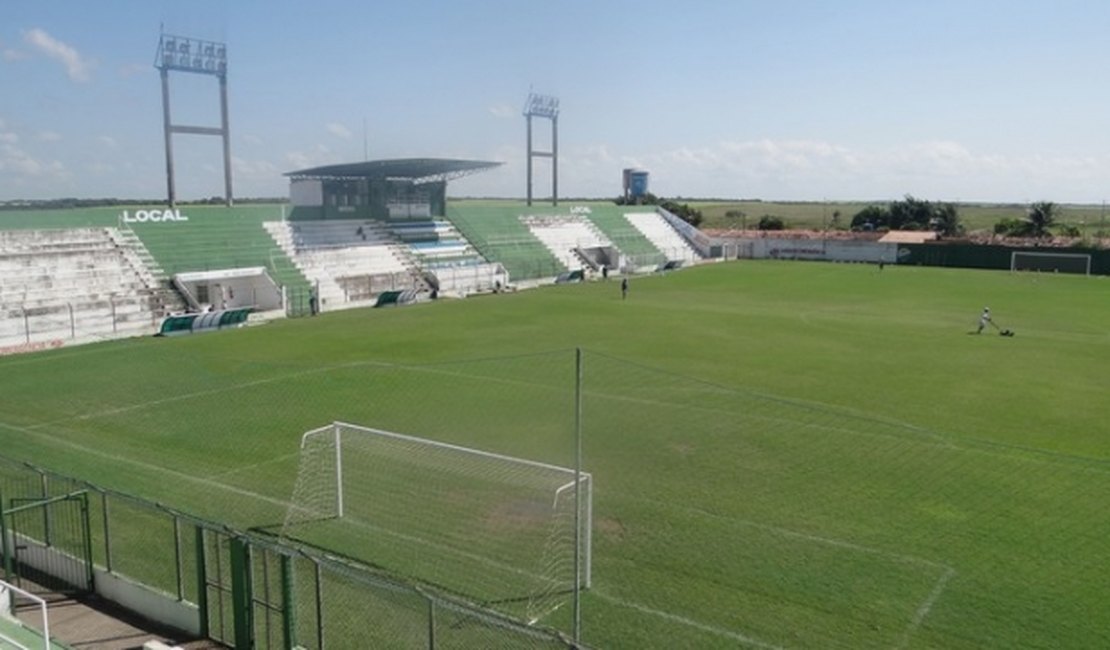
[872,217]
[737,215]
[771,222]
[1042,215]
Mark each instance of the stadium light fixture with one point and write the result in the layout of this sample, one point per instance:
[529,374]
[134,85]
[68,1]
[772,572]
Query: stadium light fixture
[541,106]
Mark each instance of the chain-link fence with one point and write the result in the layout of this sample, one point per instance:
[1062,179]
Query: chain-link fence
[242,589]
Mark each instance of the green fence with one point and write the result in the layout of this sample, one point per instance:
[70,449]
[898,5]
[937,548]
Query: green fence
[985,256]
[243,589]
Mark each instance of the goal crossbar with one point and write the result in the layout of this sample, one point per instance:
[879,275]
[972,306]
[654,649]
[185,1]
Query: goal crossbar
[580,489]
[1083,259]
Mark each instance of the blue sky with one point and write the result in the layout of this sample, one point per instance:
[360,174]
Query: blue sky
[946,100]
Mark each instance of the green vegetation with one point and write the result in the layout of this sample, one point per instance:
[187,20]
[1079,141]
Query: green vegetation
[849,469]
[1089,219]
[684,211]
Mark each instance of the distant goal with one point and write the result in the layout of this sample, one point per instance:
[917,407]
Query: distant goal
[1051,262]
[495,530]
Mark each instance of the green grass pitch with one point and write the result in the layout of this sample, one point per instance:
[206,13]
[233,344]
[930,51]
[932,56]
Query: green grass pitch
[849,469]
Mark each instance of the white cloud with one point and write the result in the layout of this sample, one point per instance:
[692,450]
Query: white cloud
[502,111]
[107,141]
[18,162]
[9,138]
[11,54]
[252,139]
[77,67]
[254,169]
[49,136]
[339,130]
[318,155]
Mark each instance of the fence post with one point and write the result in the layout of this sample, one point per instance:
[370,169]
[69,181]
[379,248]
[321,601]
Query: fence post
[44,494]
[288,603]
[202,583]
[431,624]
[112,303]
[242,600]
[90,575]
[26,326]
[72,323]
[4,546]
[177,559]
[107,532]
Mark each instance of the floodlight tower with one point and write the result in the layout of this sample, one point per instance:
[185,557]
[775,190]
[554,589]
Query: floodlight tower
[183,54]
[544,106]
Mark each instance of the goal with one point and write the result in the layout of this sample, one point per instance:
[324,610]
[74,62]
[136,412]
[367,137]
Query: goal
[493,529]
[1051,262]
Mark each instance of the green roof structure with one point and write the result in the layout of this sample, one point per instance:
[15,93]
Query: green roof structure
[417,170]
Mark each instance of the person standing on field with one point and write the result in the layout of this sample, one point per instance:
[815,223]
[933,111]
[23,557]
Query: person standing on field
[624,288]
[984,320]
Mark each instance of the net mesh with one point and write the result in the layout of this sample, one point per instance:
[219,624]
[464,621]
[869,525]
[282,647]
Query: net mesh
[493,529]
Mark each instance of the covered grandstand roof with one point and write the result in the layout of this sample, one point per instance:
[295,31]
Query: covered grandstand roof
[419,170]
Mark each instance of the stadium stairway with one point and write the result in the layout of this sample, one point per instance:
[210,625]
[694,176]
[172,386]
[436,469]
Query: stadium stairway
[351,262]
[498,234]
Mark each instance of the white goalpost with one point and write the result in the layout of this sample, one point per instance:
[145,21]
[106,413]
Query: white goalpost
[495,529]
[1050,262]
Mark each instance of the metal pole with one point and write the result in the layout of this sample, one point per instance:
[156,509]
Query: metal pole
[528,118]
[555,160]
[226,132]
[431,624]
[178,560]
[107,532]
[577,495]
[170,194]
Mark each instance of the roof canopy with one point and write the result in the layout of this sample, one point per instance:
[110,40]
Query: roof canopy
[418,170]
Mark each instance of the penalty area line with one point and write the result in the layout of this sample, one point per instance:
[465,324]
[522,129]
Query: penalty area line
[925,607]
[688,622]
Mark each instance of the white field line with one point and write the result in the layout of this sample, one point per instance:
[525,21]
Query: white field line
[93,451]
[247,468]
[689,622]
[200,393]
[924,609]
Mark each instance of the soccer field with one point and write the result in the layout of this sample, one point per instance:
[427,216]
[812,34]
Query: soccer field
[785,455]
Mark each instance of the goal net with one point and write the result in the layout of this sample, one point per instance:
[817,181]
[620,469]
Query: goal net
[496,530]
[1051,262]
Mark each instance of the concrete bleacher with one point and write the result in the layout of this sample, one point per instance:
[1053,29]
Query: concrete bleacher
[495,230]
[564,235]
[664,237]
[349,261]
[221,238]
[73,285]
[635,248]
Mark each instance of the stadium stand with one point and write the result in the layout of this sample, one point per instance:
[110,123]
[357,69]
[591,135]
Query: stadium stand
[350,261]
[565,236]
[663,236]
[496,231]
[633,245]
[78,284]
[220,238]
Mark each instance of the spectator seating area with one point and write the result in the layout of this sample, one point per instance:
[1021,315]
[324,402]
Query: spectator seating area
[221,238]
[565,235]
[636,249]
[350,261]
[79,284]
[456,267]
[499,235]
[665,238]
